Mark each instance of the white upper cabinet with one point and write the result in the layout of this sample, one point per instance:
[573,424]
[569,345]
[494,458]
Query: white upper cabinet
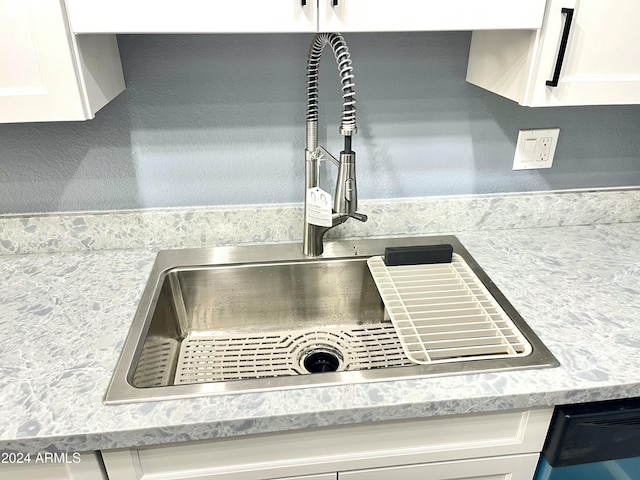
[46,73]
[587,53]
[262,16]
[424,15]
[192,16]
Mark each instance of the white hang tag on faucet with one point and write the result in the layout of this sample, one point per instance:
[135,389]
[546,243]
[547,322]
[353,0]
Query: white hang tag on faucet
[319,204]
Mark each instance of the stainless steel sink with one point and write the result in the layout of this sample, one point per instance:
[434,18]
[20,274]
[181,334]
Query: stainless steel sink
[256,318]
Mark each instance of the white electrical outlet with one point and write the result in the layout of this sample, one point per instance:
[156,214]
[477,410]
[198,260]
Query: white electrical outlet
[535,148]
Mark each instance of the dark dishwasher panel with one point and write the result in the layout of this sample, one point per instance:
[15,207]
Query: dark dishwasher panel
[593,441]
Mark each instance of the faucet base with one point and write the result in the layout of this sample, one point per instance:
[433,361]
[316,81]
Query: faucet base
[313,235]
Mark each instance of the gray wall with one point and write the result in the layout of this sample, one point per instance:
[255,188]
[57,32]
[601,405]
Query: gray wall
[219,120]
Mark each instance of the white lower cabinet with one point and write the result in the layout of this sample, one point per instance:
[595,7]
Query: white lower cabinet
[513,467]
[487,446]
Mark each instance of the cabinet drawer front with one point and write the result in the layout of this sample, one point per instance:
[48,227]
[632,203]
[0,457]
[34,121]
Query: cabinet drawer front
[417,15]
[191,16]
[516,467]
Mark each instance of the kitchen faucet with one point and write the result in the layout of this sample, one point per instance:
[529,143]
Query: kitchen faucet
[320,215]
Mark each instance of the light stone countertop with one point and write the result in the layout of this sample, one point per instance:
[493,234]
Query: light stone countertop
[65,316]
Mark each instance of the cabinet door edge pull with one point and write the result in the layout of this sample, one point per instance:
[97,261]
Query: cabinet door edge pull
[563,47]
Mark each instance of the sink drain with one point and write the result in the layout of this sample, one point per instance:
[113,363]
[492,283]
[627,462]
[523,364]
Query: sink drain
[321,361]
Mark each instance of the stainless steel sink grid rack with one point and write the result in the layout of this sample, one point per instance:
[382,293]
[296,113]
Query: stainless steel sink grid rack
[319,309]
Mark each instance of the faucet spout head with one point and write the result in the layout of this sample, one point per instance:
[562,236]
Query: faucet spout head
[346,193]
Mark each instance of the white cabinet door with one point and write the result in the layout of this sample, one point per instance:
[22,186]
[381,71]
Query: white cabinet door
[38,80]
[601,64]
[408,15]
[192,16]
[514,467]
[46,73]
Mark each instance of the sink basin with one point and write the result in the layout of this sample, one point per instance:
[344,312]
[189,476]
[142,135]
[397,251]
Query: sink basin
[256,318]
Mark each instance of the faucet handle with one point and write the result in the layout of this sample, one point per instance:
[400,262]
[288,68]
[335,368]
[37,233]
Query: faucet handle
[322,152]
[361,217]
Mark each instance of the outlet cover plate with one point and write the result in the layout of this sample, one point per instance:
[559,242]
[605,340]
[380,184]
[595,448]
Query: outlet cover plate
[535,148]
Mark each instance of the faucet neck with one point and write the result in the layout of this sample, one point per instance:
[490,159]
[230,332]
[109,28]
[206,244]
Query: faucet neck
[345,71]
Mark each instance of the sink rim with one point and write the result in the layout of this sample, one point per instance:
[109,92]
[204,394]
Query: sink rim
[121,390]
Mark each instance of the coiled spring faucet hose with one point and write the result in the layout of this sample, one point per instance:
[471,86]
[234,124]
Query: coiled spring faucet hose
[345,71]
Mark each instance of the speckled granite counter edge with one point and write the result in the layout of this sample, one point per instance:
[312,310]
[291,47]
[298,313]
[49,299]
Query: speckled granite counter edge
[206,226]
[156,436]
